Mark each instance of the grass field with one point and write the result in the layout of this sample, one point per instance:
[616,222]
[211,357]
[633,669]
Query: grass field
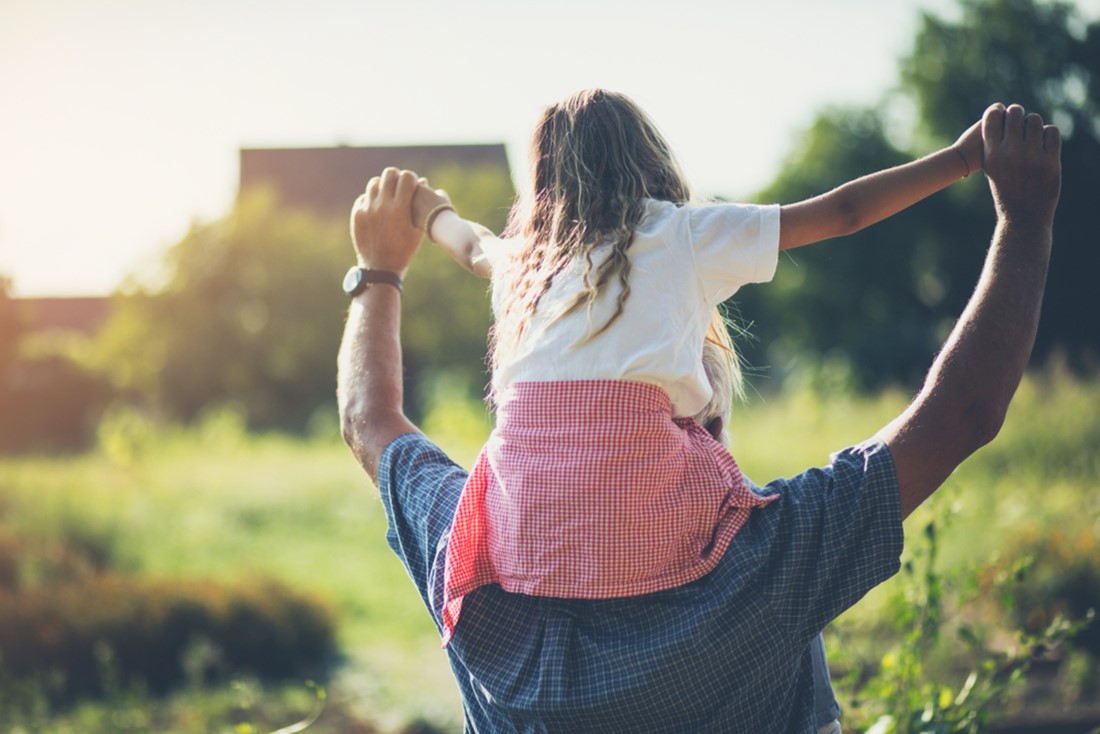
[213,502]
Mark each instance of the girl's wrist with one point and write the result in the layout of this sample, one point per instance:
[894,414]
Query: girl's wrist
[447,227]
[434,215]
[962,157]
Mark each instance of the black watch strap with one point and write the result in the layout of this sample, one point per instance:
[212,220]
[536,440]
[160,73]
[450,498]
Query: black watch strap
[359,279]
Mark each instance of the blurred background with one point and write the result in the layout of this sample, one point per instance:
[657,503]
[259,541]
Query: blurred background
[184,542]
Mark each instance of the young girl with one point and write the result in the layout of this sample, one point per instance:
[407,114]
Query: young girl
[596,482]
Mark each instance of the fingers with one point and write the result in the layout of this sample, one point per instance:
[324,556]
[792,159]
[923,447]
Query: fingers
[1014,123]
[1052,140]
[393,186]
[1033,127]
[374,187]
[389,182]
[406,187]
[993,122]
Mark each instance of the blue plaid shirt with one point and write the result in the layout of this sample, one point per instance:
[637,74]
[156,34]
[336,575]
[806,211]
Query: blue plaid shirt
[730,652]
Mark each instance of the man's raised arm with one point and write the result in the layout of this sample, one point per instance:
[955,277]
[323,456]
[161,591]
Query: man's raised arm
[369,386]
[966,394]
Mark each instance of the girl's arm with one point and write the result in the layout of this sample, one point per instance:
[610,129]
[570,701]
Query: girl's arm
[459,238]
[465,241]
[872,198]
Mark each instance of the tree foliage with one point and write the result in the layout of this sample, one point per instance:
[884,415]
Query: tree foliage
[48,401]
[1044,56]
[875,305]
[11,327]
[446,311]
[251,313]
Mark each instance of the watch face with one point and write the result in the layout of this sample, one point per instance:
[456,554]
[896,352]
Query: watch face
[353,281]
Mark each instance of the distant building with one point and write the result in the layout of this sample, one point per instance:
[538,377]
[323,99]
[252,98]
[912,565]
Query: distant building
[323,180]
[327,180]
[82,316]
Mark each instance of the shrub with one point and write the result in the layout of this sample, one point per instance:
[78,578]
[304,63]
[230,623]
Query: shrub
[903,696]
[108,630]
[28,561]
[1060,577]
[49,403]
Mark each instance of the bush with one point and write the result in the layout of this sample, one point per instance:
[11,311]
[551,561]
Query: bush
[1060,578]
[903,696]
[49,403]
[27,561]
[88,636]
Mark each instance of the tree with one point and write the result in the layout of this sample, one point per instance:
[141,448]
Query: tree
[873,306]
[11,328]
[879,302]
[251,313]
[446,312]
[48,401]
[1045,57]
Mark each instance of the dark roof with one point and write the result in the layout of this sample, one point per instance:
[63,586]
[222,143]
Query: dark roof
[83,315]
[327,180]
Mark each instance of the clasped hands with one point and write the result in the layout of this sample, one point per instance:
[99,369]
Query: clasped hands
[387,220]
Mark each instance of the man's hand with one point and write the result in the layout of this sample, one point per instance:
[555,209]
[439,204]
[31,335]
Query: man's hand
[382,227]
[1023,163]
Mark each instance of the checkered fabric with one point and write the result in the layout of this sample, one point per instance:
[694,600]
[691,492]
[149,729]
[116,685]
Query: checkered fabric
[728,652]
[589,489]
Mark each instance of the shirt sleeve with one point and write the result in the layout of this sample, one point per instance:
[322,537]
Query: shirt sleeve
[836,534]
[420,488]
[734,244]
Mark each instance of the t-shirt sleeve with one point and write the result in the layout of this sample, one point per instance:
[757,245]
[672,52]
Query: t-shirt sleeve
[420,487]
[836,534]
[734,244]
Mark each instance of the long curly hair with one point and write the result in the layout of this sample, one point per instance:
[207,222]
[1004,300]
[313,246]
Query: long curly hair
[595,157]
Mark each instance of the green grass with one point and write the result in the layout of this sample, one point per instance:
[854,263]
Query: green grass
[214,503]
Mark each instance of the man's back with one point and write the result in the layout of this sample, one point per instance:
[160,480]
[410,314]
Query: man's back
[728,652]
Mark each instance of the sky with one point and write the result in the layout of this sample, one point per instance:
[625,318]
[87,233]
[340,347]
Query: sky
[121,120]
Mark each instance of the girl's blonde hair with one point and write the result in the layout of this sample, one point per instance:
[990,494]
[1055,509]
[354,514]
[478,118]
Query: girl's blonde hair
[723,369]
[595,158]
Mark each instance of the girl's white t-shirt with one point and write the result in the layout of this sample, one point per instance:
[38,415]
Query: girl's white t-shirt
[685,260]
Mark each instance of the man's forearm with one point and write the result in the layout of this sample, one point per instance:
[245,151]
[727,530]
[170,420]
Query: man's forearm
[968,390]
[369,385]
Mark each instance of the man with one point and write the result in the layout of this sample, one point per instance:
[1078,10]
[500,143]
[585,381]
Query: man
[731,651]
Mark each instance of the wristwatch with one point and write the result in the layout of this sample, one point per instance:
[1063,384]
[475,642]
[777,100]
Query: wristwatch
[359,279]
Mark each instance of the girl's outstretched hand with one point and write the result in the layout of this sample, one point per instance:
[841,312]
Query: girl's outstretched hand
[970,146]
[425,200]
